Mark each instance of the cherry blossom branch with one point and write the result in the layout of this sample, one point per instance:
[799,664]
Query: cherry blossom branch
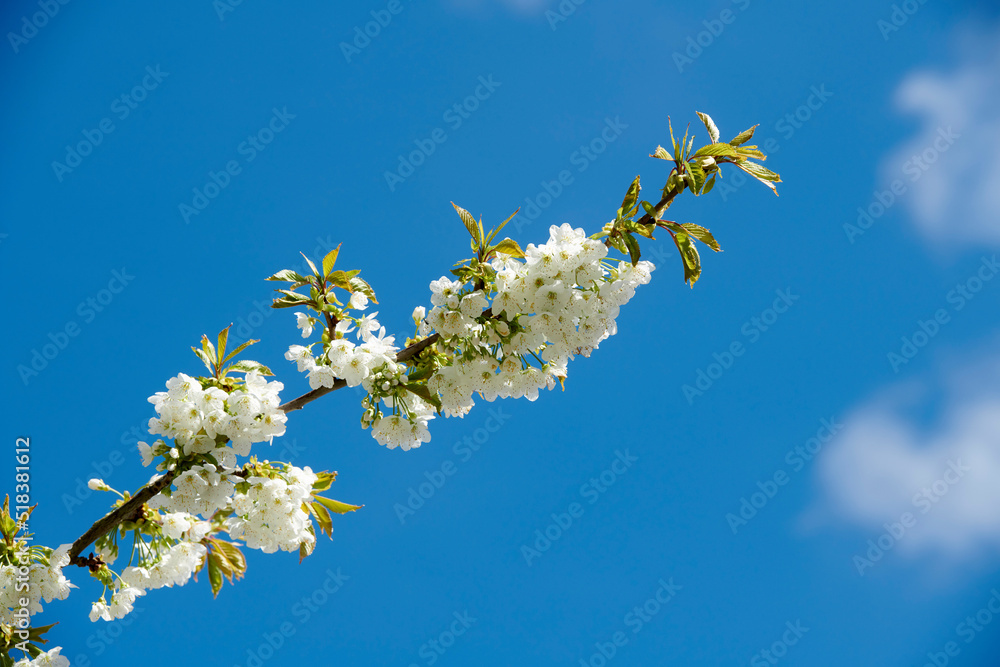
[112,519]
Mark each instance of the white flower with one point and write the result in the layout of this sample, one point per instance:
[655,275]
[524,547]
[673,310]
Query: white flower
[97,485]
[358,301]
[146,452]
[300,355]
[305,323]
[50,658]
[367,325]
[176,524]
[269,516]
[418,314]
[100,610]
[442,289]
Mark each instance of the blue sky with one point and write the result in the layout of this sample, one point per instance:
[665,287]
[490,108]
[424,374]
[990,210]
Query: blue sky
[816,412]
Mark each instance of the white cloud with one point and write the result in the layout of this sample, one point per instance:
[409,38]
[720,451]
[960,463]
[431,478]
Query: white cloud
[890,452]
[956,200]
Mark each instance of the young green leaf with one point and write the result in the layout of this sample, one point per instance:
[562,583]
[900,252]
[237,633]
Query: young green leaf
[306,548]
[715,150]
[631,197]
[247,365]
[661,153]
[359,285]
[470,224]
[494,232]
[713,131]
[311,265]
[209,349]
[742,137]
[702,235]
[509,247]
[223,340]
[336,505]
[288,276]
[330,260]
[240,349]
[633,248]
[690,258]
[205,359]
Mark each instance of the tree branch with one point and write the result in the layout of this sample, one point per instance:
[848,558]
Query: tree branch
[113,519]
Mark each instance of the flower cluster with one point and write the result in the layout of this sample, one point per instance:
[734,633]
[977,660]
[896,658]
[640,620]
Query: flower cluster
[174,566]
[507,334]
[200,420]
[50,658]
[561,301]
[269,516]
[198,490]
[46,582]
[344,359]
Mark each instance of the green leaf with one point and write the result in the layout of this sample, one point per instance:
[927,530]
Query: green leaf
[247,365]
[306,548]
[709,184]
[423,392]
[751,152]
[205,359]
[330,260]
[690,257]
[494,232]
[470,224]
[341,279]
[223,340]
[293,296]
[702,235]
[286,303]
[742,137]
[661,154]
[322,518]
[209,349]
[715,150]
[677,148]
[762,174]
[235,561]
[642,230]
[323,481]
[631,197]
[359,285]
[240,349]
[311,265]
[8,526]
[633,248]
[336,505]
[509,247]
[214,573]
[713,131]
[759,171]
[697,177]
[288,276]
